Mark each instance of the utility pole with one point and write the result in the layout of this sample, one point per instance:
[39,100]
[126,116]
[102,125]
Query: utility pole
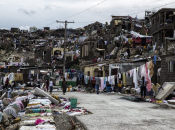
[65,40]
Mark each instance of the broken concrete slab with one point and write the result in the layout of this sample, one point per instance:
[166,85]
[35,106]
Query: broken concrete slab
[168,88]
[38,91]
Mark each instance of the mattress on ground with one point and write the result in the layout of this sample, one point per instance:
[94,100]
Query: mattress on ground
[168,88]
[38,127]
[31,121]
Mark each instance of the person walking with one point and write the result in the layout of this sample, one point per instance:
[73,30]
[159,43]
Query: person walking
[64,86]
[143,87]
[93,83]
[47,85]
[97,82]
[51,86]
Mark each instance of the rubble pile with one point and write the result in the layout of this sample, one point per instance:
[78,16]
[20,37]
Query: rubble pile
[23,109]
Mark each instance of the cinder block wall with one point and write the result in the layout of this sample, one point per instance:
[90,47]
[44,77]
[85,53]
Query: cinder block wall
[165,75]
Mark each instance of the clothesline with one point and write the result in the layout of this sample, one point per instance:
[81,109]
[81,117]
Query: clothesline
[145,70]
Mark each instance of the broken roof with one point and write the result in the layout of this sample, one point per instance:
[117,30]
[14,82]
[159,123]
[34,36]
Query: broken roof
[163,9]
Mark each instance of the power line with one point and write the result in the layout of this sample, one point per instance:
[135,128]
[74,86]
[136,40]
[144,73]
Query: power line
[110,19]
[153,8]
[83,10]
[132,13]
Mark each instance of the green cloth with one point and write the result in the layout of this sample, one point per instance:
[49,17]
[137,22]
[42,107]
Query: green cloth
[48,110]
[33,114]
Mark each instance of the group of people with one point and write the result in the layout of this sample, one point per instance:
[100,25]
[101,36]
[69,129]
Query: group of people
[6,84]
[49,86]
[118,85]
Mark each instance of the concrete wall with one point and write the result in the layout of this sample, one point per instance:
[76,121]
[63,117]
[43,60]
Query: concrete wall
[92,72]
[165,75]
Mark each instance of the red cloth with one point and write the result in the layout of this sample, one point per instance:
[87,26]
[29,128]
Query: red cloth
[137,40]
[95,60]
[7,81]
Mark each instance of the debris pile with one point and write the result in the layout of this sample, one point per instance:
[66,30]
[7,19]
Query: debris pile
[39,110]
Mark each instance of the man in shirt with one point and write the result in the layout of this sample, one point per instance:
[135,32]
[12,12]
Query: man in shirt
[97,82]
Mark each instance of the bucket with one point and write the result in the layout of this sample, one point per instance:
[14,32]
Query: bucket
[73,102]
[108,89]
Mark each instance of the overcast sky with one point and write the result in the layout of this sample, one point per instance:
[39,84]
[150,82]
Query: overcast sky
[41,13]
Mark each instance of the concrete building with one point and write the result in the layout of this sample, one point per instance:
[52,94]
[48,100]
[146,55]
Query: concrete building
[33,29]
[162,25]
[167,73]
[120,22]
[46,28]
[14,30]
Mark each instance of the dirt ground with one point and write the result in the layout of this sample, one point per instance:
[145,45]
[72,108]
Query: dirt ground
[112,113]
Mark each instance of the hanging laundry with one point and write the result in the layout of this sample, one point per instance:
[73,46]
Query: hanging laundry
[124,79]
[131,73]
[151,68]
[143,71]
[113,80]
[105,82]
[119,76]
[102,84]
[135,80]
[65,75]
[85,79]
[148,79]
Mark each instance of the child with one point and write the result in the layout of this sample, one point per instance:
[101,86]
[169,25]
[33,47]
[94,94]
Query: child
[120,86]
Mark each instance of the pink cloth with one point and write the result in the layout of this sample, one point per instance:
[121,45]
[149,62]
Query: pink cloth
[38,121]
[147,79]
[19,103]
[102,84]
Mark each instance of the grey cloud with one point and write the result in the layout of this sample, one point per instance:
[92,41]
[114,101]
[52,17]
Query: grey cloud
[47,7]
[51,7]
[29,13]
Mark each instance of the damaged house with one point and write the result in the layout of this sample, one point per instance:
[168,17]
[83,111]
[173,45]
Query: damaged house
[162,25]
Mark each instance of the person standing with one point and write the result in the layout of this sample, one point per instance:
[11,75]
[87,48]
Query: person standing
[51,86]
[47,85]
[120,86]
[97,82]
[143,87]
[93,83]
[116,84]
[64,86]
[128,51]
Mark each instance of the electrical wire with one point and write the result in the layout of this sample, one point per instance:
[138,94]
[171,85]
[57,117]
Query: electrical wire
[84,10]
[153,8]
[133,13]
[107,19]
